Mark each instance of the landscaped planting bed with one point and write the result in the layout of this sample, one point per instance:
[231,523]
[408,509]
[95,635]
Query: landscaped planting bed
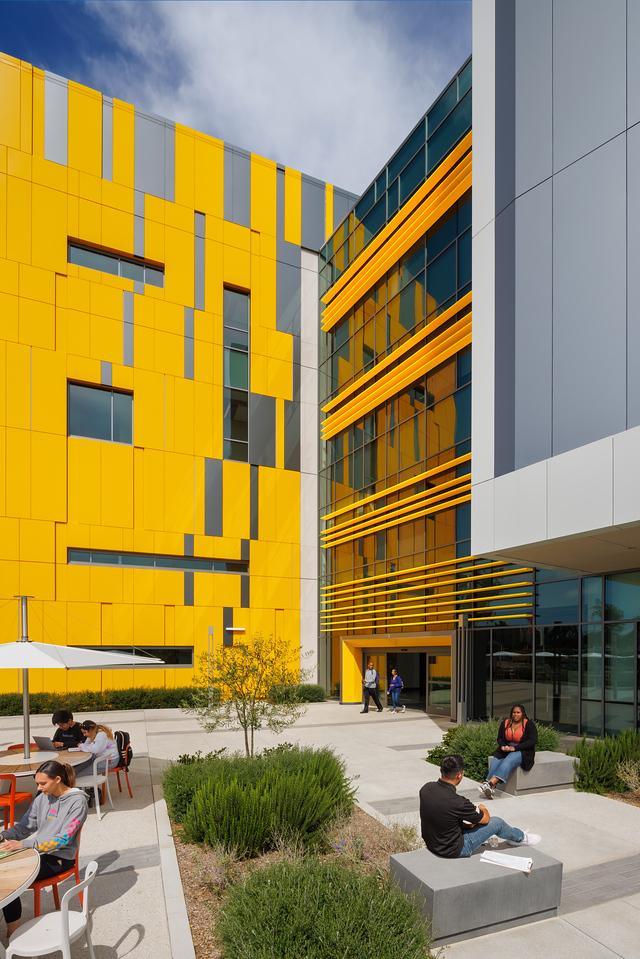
[281,831]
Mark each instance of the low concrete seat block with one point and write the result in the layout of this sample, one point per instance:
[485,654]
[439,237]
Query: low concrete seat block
[462,898]
[550,771]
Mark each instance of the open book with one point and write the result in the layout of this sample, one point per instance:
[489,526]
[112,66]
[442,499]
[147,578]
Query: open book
[520,863]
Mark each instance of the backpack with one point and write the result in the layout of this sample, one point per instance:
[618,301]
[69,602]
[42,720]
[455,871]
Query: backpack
[125,752]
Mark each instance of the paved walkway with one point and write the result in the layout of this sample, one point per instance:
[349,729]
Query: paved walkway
[597,839]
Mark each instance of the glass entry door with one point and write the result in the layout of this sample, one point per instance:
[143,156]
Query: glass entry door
[439,684]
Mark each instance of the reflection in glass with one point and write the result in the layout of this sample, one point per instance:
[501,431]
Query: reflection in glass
[511,657]
[89,412]
[618,717]
[592,662]
[592,598]
[557,676]
[557,602]
[620,662]
[591,718]
[122,417]
[622,596]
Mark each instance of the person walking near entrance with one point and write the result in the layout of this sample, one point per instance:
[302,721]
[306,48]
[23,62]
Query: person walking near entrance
[395,687]
[370,686]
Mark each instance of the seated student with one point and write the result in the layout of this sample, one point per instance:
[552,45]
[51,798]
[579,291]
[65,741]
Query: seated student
[100,743]
[68,733]
[452,826]
[51,825]
[517,738]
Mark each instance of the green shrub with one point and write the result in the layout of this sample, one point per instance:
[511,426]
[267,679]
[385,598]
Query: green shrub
[476,741]
[90,701]
[598,771]
[229,814]
[182,780]
[317,910]
[302,693]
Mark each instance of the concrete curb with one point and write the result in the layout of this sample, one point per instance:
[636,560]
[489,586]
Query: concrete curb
[175,905]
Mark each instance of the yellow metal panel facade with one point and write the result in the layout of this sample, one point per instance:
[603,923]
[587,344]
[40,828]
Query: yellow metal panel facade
[165,491]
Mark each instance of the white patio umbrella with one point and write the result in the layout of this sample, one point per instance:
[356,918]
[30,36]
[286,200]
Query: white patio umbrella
[25,655]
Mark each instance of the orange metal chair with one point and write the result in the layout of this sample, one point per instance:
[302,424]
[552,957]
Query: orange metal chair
[18,747]
[124,769]
[54,882]
[9,800]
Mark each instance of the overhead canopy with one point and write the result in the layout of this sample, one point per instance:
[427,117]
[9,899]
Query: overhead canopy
[29,655]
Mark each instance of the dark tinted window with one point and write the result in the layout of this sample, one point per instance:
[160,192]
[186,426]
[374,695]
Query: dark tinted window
[557,602]
[89,412]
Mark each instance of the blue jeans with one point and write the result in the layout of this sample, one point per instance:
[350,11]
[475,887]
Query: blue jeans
[474,838]
[502,768]
[395,698]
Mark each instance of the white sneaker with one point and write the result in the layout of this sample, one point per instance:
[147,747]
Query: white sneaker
[530,839]
[493,842]
[404,709]
[486,790]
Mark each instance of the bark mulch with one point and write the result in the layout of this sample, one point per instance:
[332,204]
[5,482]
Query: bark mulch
[206,873]
[631,798]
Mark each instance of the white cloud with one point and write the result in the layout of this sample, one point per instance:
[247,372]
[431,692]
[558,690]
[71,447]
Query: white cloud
[329,88]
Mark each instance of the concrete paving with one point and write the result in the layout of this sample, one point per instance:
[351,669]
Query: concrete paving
[139,905]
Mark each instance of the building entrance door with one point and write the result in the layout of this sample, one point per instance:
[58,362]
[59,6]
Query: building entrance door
[412,670]
[439,684]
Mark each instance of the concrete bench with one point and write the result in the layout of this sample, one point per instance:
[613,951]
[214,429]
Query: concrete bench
[463,898]
[550,771]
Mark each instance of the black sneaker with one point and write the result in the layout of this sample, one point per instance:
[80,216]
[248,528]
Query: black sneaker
[363,711]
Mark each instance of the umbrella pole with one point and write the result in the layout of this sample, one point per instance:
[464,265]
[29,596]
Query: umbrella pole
[25,679]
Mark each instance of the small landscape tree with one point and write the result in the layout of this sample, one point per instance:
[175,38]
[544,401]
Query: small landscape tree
[234,690]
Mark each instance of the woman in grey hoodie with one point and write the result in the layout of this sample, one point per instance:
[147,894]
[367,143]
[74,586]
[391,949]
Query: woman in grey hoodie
[51,825]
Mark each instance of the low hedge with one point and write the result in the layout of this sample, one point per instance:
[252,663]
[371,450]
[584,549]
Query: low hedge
[600,760]
[303,693]
[476,741]
[319,910]
[96,701]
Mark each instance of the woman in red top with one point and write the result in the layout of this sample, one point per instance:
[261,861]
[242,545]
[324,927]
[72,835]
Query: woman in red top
[517,738]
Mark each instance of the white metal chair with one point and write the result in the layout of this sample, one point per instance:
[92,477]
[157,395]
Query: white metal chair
[55,931]
[96,781]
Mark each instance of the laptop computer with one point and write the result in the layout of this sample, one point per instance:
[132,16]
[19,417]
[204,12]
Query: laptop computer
[44,743]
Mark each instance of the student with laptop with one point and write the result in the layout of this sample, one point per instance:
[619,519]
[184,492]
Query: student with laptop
[69,733]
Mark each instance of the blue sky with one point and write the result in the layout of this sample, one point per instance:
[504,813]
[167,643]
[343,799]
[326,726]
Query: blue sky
[328,87]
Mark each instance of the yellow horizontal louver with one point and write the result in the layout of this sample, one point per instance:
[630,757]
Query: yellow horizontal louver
[431,619]
[427,187]
[405,519]
[405,347]
[433,207]
[399,586]
[347,616]
[400,603]
[449,343]
[438,569]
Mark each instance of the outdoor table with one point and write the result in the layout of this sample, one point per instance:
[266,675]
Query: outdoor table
[12,762]
[17,872]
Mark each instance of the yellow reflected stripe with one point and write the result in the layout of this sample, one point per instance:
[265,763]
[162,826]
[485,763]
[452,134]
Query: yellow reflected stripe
[427,187]
[400,521]
[416,225]
[345,616]
[410,599]
[433,354]
[370,580]
[411,503]
[406,347]
[401,588]
[398,486]
[416,622]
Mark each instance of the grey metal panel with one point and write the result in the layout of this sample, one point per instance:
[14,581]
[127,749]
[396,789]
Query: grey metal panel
[262,430]
[138,223]
[534,109]
[245,582]
[149,154]
[188,343]
[589,76]
[107,138]
[312,213]
[245,544]
[589,298]
[169,160]
[288,297]
[633,276]
[254,492]
[198,296]
[188,589]
[138,287]
[106,373]
[228,183]
[504,425]
[127,328]
[633,62]
[213,497]
[291,435]
[200,224]
[242,188]
[227,623]
[342,203]
[533,325]
[505,130]
[56,112]
[188,544]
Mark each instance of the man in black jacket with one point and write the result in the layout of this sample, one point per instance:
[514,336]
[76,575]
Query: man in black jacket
[452,826]
[69,733]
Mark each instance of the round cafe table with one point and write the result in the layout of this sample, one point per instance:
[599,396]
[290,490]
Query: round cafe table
[17,872]
[14,762]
